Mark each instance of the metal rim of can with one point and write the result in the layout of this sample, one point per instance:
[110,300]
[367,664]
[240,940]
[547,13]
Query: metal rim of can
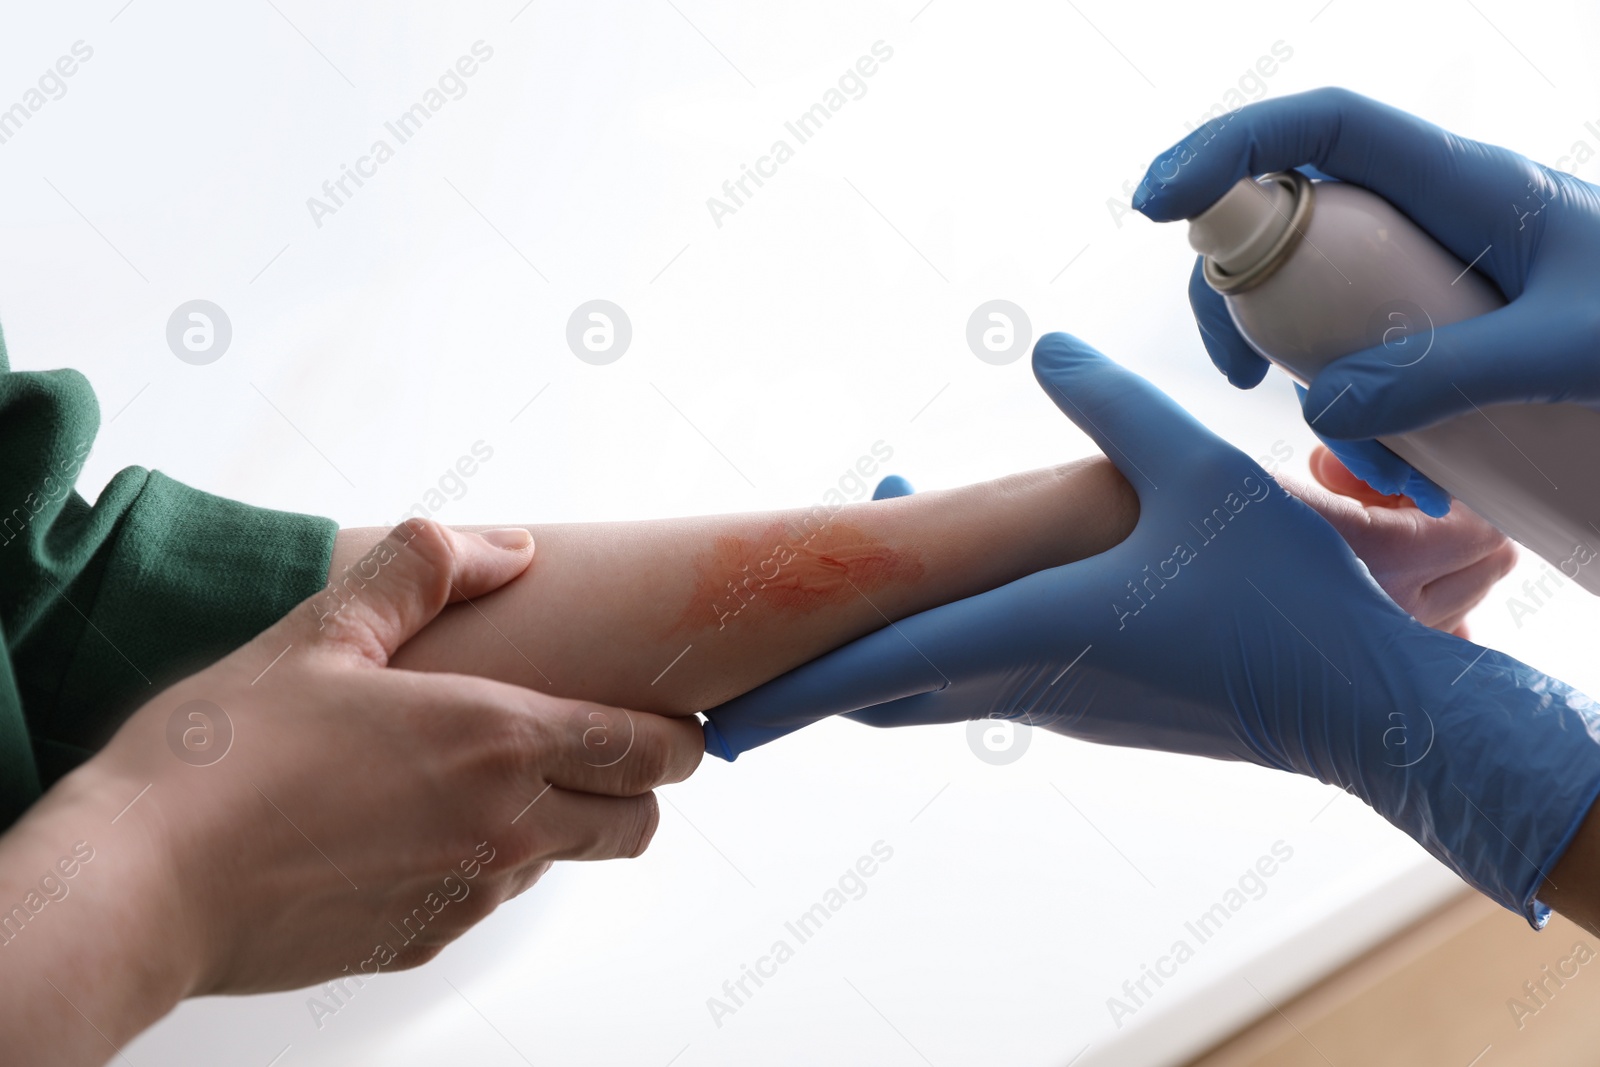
[1300,186]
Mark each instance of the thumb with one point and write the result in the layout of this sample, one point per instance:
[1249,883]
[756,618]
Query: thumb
[381,601]
[1140,429]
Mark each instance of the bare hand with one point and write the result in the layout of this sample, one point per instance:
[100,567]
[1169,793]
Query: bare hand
[301,811]
[1436,569]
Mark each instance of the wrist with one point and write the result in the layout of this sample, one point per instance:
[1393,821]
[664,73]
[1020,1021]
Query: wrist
[104,938]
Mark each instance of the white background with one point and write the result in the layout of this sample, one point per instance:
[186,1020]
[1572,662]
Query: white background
[826,314]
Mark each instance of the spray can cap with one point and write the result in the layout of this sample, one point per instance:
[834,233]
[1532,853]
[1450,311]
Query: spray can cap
[1241,228]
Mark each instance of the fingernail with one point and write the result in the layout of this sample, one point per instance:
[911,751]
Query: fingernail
[511,538]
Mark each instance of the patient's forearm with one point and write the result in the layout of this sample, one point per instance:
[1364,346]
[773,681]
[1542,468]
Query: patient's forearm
[679,615]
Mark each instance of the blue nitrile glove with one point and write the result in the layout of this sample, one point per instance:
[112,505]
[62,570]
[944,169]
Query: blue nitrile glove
[1234,623]
[892,486]
[1534,231]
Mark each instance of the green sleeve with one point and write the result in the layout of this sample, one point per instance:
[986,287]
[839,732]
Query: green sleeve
[103,606]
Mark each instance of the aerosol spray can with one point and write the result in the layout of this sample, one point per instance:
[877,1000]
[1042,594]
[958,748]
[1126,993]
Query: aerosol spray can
[1312,271]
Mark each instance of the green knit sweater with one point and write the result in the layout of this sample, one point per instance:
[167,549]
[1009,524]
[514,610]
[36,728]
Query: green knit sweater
[104,606]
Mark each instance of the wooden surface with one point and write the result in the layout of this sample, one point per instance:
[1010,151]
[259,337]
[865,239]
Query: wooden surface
[1445,992]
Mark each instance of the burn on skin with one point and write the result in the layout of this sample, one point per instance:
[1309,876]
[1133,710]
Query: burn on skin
[787,571]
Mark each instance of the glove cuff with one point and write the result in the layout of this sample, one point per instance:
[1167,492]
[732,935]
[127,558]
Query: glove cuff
[1492,769]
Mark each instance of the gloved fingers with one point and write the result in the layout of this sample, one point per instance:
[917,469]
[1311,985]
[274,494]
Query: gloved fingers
[1430,499]
[1445,602]
[1385,472]
[1428,376]
[1389,475]
[1333,475]
[1137,426]
[1442,181]
[883,666]
[1231,353]
[892,486]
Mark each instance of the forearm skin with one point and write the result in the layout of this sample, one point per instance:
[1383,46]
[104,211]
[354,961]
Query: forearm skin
[678,615]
